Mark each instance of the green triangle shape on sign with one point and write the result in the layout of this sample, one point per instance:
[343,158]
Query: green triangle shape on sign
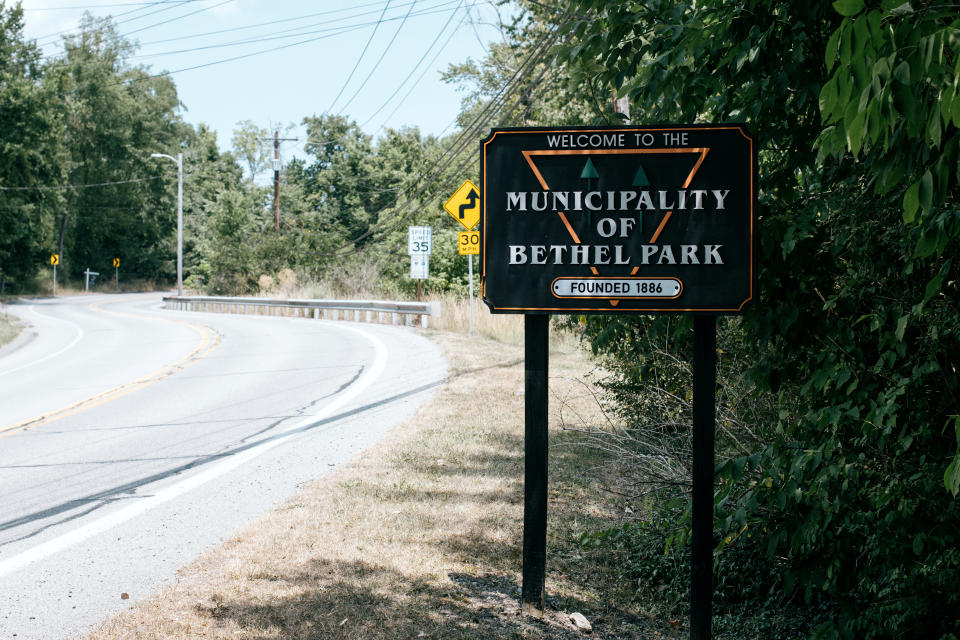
[640,178]
[589,171]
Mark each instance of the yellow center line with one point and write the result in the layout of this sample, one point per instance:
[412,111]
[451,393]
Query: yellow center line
[210,340]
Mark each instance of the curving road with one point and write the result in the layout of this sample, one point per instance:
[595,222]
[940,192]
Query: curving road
[132,438]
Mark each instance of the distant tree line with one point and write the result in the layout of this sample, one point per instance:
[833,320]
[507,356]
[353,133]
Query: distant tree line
[77,179]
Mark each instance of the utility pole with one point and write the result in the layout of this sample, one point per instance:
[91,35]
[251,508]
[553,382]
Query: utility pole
[179,161]
[622,105]
[276,175]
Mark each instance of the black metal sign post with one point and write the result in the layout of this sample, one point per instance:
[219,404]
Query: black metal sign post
[536,354]
[704,418]
[635,219]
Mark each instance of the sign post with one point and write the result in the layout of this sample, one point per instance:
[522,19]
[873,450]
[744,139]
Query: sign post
[90,280]
[463,206]
[468,244]
[116,274]
[613,220]
[55,260]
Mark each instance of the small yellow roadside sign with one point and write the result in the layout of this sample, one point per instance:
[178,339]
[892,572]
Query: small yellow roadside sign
[55,259]
[468,243]
[464,205]
[116,262]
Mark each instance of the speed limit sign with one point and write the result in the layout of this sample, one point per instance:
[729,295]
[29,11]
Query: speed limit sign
[468,243]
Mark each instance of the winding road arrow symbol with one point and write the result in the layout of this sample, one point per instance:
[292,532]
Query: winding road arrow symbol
[471,202]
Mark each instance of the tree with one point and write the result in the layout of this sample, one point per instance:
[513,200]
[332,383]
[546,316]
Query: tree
[249,145]
[30,158]
[857,337]
[119,201]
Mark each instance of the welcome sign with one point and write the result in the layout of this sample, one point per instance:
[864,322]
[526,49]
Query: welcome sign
[619,219]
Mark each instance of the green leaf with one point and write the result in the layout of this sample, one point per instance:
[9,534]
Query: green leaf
[848,7]
[833,45]
[902,72]
[911,201]
[951,477]
[855,133]
[898,6]
[902,327]
[926,191]
[828,98]
[933,287]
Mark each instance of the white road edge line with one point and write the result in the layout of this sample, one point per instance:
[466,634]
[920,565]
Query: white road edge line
[107,522]
[52,355]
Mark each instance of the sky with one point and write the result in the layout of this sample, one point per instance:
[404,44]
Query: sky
[274,62]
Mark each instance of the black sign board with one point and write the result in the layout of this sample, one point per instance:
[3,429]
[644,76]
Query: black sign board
[619,219]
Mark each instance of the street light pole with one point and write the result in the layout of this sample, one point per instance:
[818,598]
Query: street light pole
[179,161]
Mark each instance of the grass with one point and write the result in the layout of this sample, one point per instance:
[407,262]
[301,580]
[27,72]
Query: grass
[8,330]
[420,537]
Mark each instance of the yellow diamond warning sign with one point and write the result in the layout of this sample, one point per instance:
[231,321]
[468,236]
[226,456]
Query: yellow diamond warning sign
[464,205]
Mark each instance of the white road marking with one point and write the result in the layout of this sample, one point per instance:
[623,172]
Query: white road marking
[105,523]
[52,355]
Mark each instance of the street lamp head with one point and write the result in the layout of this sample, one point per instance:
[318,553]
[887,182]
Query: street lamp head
[156,155]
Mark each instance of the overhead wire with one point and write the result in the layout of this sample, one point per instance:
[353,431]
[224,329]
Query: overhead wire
[360,57]
[286,33]
[450,181]
[171,4]
[96,6]
[376,64]
[79,186]
[415,84]
[264,23]
[412,71]
[247,55]
[468,134]
[180,17]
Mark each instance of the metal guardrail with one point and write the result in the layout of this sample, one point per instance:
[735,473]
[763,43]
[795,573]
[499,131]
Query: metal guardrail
[371,310]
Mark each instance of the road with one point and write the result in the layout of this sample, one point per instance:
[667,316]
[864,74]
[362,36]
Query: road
[132,438]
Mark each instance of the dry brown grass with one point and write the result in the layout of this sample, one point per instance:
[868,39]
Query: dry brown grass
[8,330]
[455,316]
[418,538]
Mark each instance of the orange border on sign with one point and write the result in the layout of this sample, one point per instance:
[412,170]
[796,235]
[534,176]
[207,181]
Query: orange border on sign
[702,150]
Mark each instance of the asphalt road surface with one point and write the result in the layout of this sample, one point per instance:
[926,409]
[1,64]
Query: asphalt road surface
[132,438]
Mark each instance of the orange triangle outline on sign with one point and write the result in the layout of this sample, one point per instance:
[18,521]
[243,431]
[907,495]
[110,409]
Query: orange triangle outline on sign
[529,153]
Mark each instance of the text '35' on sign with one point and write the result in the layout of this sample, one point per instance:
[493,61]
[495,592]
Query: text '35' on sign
[619,219]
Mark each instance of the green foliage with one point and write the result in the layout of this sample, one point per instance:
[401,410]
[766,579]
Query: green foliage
[234,268]
[749,598]
[893,97]
[856,340]
[115,116]
[28,150]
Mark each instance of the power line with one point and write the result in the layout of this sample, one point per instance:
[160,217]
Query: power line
[79,186]
[379,60]
[469,133]
[252,53]
[276,35]
[171,4]
[97,6]
[271,22]
[362,53]
[432,44]
[180,17]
